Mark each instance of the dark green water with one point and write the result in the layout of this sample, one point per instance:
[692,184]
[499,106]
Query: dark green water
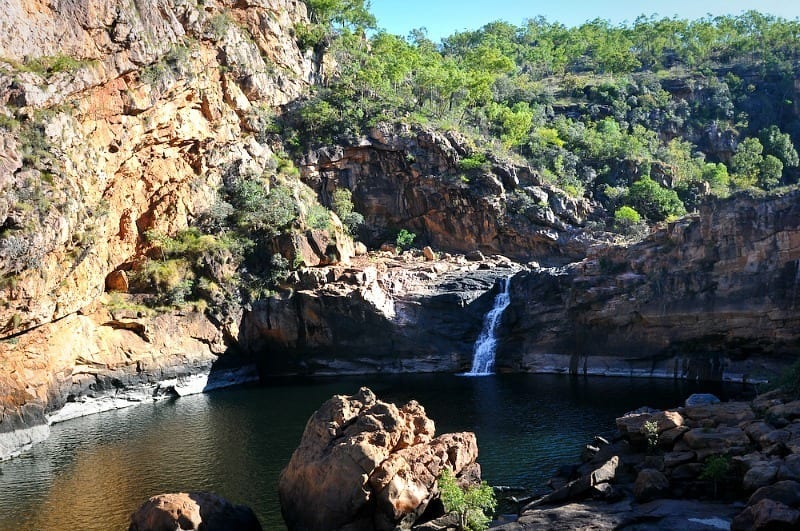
[94,471]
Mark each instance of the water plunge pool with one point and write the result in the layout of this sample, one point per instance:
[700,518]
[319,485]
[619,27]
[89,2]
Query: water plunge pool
[94,471]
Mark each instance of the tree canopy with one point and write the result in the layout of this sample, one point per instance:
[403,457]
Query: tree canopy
[691,106]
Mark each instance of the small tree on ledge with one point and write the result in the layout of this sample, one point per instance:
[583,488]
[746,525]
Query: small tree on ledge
[469,504]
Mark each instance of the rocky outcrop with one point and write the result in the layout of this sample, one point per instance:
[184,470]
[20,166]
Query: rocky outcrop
[410,177]
[193,511]
[705,452]
[366,464]
[709,296]
[101,365]
[384,313]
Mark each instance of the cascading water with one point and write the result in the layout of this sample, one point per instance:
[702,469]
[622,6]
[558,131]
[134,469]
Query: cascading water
[483,355]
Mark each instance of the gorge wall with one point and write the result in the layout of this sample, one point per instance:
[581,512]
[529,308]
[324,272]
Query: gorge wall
[118,120]
[411,177]
[710,294]
[398,314]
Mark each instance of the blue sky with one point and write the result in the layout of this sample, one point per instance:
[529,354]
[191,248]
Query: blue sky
[444,17]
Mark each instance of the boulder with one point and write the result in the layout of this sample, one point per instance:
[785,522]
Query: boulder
[428,253]
[764,515]
[786,492]
[668,438]
[789,411]
[363,463]
[581,486]
[701,399]
[475,256]
[674,459]
[650,484]
[759,476]
[630,424]
[756,430]
[667,420]
[716,439]
[192,511]
[790,468]
[359,249]
[722,414]
[117,281]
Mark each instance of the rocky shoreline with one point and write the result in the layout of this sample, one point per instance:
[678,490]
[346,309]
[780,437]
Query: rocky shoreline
[706,465]
[17,441]
[366,464]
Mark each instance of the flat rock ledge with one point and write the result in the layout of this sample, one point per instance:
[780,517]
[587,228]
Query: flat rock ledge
[706,465]
[363,464]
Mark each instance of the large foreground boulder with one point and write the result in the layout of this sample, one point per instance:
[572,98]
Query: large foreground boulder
[192,511]
[367,464]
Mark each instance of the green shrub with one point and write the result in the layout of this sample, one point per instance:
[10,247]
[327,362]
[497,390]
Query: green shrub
[627,215]
[219,24]
[474,162]
[285,166]
[309,36]
[172,280]
[342,204]
[628,222]
[650,431]
[469,504]
[653,201]
[716,469]
[50,64]
[255,208]
[405,239]
[318,217]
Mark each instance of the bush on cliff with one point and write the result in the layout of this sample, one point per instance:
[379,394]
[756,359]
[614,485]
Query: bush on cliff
[470,504]
[628,222]
[653,201]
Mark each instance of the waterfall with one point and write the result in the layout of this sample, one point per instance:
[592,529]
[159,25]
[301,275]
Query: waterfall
[483,355]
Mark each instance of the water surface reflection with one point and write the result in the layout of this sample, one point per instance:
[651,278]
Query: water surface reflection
[93,472]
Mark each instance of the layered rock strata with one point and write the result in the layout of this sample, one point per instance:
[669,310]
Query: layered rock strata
[385,313]
[117,120]
[106,360]
[710,296]
[366,464]
[411,177]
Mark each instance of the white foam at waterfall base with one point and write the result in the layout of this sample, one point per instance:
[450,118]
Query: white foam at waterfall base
[484,351]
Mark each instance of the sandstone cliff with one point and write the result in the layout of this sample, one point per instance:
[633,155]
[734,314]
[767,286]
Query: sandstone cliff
[709,295]
[115,120]
[384,314]
[411,177]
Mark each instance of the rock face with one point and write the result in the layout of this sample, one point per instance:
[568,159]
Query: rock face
[391,314]
[410,177]
[105,363]
[193,511]
[169,98]
[695,299]
[365,464]
[118,120]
